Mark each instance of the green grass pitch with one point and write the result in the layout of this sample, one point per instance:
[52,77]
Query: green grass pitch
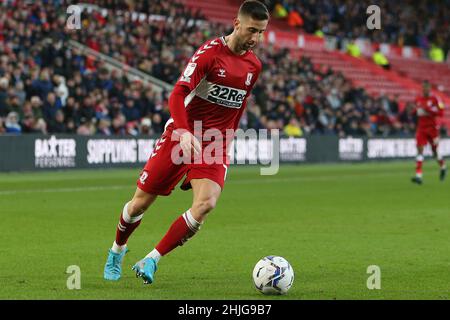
[329,221]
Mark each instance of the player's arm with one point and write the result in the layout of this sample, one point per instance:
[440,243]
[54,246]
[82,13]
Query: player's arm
[177,108]
[178,112]
[436,109]
[197,68]
[441,107]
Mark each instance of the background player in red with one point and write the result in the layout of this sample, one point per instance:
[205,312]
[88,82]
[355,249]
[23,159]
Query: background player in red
[428,109]
[213,89]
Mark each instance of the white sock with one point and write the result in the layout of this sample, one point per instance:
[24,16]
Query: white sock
[116,248]
[193,224]
[155,255]
[127,218]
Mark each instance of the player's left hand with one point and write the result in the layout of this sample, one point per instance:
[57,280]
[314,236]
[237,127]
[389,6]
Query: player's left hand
[189,143]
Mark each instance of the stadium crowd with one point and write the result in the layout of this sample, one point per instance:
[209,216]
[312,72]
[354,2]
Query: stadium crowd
[45,87]
[418,23]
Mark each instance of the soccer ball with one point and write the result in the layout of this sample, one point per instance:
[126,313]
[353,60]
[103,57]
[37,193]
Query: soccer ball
[273,275]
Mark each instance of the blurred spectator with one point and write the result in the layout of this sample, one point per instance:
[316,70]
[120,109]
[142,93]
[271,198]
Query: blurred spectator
[42,85]
[146,127]
[61,89]
[86,127]
[19,92]
[381,60]
[353,49]
[50,107]
[157,124]
[36,106]
[57,125]
[130,111]
[104,127]
[294,19]
[118,125]
[292,129]
[12,123]
[86,111]
[280,11]
[436,53]
[14,105]
[334,98]
[132,128]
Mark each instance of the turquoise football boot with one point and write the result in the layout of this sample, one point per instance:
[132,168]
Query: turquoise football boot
[113,266]
[145,269]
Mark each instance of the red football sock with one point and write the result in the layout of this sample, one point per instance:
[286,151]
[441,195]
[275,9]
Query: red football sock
[181,230]
[441,163]
[126,226]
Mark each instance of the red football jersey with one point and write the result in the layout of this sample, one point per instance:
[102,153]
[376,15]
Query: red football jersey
[219,83]
[428,109]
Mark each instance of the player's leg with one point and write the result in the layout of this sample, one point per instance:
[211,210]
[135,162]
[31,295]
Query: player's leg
[440,160]
[159,176]
[131,217]
[129,220]
[421,142]
[205,196]
[419,163]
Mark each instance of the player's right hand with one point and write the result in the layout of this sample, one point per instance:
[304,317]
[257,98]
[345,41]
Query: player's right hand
[189,142]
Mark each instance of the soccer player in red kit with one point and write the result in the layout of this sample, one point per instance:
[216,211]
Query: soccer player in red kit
[212,89]
[428,109]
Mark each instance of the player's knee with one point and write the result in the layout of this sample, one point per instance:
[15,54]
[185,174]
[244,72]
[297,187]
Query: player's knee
[138,206]
[205,206]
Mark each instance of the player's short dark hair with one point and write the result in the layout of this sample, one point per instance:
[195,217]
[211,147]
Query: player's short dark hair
[254,9]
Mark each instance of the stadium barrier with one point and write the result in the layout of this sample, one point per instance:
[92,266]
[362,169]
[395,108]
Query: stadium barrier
[124,70]
[47,152]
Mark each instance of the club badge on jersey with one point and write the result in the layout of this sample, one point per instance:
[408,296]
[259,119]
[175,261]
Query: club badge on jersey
[190,68]
[249,79]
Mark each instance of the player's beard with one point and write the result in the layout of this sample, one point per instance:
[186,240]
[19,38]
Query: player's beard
[245,46]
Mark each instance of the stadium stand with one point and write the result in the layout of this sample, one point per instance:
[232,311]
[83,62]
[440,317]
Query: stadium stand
[50,87]
[406,23]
